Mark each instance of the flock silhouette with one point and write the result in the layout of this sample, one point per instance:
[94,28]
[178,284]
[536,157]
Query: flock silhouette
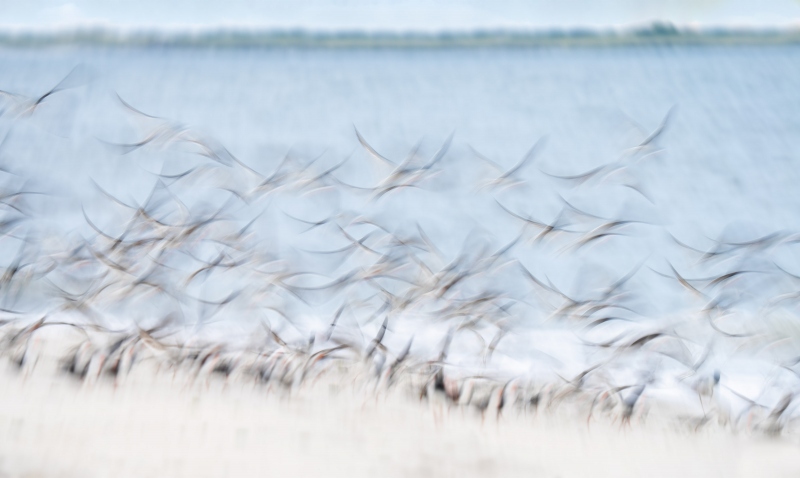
[147,281]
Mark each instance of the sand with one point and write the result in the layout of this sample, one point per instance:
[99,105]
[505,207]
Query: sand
[158,423]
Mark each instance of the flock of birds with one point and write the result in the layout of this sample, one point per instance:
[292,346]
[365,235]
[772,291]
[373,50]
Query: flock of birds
[167,279]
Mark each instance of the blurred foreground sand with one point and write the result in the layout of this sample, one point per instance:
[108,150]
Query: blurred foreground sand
[155,424]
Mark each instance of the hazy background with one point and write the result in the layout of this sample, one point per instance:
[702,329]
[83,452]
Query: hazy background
[399,15]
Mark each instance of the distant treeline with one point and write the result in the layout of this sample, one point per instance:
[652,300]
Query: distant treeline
[653,34]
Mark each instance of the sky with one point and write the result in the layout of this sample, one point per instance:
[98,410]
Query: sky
[406,15]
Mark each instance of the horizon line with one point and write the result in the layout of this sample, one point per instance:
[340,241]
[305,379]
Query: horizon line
[655,33]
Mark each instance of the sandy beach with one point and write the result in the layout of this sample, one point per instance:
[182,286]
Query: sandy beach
[157,422]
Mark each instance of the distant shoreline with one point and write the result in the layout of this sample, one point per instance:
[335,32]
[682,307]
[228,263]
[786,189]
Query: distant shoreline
[656,34]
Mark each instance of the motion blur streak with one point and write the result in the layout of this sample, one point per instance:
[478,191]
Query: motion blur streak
[617,244]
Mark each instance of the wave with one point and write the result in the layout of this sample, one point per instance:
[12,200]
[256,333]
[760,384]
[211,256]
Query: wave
[658,33]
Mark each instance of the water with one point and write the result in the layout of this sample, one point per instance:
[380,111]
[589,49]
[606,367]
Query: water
[724,168]
[734,132]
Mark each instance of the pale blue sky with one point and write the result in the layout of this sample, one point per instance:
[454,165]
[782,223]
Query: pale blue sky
[397,14]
